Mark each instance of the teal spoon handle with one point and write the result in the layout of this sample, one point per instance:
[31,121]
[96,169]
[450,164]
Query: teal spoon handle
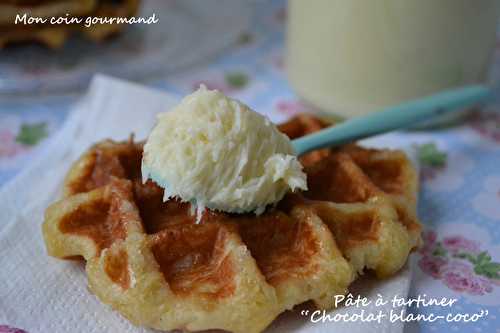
[395,117]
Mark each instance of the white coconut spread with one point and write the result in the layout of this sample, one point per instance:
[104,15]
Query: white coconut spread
[216,152]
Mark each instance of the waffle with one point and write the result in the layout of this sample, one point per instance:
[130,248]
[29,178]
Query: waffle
[151,262]
[54,36]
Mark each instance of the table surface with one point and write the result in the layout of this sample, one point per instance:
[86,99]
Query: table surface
[460,176]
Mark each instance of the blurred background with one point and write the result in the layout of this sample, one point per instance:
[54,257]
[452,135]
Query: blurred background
[345,58]
[335,58]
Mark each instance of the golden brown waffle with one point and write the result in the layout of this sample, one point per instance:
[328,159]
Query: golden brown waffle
[54,36]
[151,262]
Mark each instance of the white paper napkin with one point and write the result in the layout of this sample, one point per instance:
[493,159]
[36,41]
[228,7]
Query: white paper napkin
[42,294]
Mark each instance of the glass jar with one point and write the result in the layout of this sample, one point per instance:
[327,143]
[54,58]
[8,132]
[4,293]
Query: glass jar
[350,57]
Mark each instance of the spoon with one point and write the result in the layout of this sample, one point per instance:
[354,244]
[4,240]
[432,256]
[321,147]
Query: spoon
[395,117]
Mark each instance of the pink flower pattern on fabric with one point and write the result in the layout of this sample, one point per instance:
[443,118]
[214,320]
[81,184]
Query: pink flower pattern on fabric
[9,329]
[459,263]
[486,124]
[429,241]
[460,277]
[292,107]
[458,244]
[432,265]
[8,145]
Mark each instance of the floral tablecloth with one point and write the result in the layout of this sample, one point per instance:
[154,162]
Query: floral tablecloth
[460,175]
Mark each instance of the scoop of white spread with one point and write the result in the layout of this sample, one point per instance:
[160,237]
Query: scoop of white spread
[216,152]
